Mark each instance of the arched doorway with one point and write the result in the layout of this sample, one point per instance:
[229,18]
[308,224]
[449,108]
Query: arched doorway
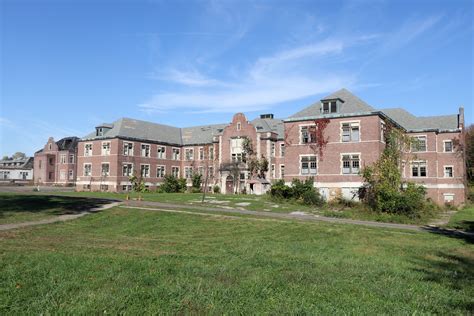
[229,185]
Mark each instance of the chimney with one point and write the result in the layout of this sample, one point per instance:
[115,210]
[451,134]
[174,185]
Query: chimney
[266,116]
[461,118]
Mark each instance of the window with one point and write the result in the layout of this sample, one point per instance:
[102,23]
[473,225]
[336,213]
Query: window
[71,174]
[50,146]
[62,175]
[50,175]
[145,150]
[272,149]
[236,150]
[189,154]
[350,164]
[126,187]
[127,170]
[161,152]
[211,153]
[282,150]
[350,132]
[282,171]
[308,165]
[104,187]
[145,171]
[128,149]
[87,170]
[448,198]
[418,144]
[329,107]
[105,149]
[188,172]
[175,154]
[239,126]
[307,134]
[418,169]
[71,158]
[273,171]
[5,174]
[201,170]
[105,171]
[211,172]
[100,131]
[448,172]
[88,150]
[448,146]
[382,131]
[86,186]
[51,161]
[175,172]
[62,159]
[201,153]
[160,171]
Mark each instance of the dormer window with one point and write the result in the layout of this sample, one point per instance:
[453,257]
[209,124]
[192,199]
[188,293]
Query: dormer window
[329,107]
[99,131]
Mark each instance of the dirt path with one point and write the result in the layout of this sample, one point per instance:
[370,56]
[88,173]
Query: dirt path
[60,218]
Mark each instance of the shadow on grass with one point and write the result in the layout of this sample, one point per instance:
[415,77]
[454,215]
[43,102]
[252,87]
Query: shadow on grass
[453,271]
[48,204]
[467,236]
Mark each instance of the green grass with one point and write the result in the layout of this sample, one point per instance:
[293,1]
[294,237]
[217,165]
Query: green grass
[135,262]
[262,203]
[463,219]
[15,208]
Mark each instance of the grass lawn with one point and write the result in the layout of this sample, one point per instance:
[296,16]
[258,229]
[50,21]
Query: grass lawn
[134,261]
[15,208]
[260,203]
[463,219]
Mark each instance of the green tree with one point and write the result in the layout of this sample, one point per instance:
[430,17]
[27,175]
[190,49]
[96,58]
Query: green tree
[470,152]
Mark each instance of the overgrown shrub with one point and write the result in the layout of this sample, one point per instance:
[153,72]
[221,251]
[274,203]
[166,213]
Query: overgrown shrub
[312,197]
[216,189]
[301,191]
[196,182]
[171,184]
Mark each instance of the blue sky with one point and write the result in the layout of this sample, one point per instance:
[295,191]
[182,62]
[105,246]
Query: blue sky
[67,65]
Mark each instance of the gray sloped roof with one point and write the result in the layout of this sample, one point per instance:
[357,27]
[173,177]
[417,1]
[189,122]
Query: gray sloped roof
[137,129]
[413,123]
[269,125]
[201,134]
[351,105]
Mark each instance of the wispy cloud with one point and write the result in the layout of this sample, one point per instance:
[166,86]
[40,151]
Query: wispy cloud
[273,79]
[4,122]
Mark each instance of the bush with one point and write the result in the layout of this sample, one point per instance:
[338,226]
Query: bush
[300,191]
[280,190]
[196,180]
[312,197]
[216,189]
[171,184]
[195,190]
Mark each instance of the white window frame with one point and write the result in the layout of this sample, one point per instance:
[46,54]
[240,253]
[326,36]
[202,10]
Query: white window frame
[426,144]
[187,156]
[282,174]
[444,145]
[282,150]
[178,156]
[84,169]
[310,140]
[352,125]
[62,159]
[211,153]
[129,151]
[383,127]
[130,171]
[71,158]
[201,154]
[173,168]
[452,171]
[273,170]
[272,149]
[412,163]
[300,163]
[163,167]
[142,165]
[143,150]
[106,152]
[102,169]
[188,172]
[71,174]
[351,160]
[159,154]
[88,153]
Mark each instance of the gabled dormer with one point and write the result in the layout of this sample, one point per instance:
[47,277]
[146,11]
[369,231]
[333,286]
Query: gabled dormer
[331,106]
